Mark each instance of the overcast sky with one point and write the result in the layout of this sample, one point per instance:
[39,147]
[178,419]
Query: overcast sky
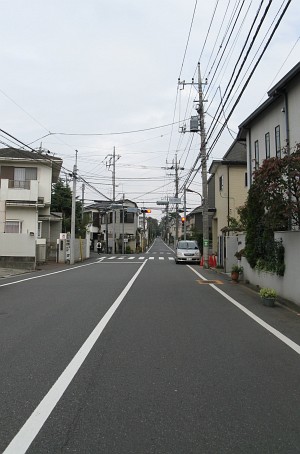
[111,67]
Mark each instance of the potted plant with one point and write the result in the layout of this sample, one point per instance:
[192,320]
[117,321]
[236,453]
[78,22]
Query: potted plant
[236,270]
[268,296]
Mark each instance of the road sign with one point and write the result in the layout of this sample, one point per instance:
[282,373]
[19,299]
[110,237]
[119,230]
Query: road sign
[132,210]
[162,202]
[174,200]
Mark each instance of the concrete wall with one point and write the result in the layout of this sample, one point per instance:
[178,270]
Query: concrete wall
[17,250]
[81,250]
[287,286]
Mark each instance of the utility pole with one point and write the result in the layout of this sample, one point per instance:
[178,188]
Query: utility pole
[72,242]
[123,224]
[184,212]
[112,163]
[176,196]
[114,197]
[201,125]
[175,167]
[200,111]
[82,200]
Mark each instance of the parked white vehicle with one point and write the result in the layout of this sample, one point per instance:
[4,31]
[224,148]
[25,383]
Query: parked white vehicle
[187,251]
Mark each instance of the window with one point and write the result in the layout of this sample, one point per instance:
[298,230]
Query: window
[110,217]
[267,145]
[277,142]
[39,235]
[13,227]
[256,154]
[221,183]
[246,179]
[128,218]
[19,177]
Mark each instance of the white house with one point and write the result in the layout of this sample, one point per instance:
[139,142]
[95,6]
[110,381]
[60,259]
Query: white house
[25,198]
[270,131]
[273,128]
[114,220]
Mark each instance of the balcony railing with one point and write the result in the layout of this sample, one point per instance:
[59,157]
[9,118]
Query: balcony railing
[19,184]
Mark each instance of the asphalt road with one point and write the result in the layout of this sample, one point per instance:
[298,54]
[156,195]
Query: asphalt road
[138,355]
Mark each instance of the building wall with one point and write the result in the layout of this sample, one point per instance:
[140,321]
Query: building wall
[275,115]
[294,112]
[28,216]
[232,196]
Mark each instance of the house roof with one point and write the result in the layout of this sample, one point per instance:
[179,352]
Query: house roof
[235,155]
[16,154]
[102,205]
[273,94]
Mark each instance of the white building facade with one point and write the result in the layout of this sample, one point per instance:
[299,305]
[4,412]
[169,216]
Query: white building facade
[25,197]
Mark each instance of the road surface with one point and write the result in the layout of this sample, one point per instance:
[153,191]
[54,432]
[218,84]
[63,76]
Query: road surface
[135,354]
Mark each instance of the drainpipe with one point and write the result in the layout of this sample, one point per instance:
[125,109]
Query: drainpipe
[288,150]
[228,207]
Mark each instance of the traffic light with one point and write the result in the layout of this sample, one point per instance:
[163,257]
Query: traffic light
[183,219]
[145,210]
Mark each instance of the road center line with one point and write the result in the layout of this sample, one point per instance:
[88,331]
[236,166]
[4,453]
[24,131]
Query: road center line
[254,317]
[23,439]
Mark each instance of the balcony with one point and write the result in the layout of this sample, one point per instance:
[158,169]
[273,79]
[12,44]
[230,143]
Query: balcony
[19,191]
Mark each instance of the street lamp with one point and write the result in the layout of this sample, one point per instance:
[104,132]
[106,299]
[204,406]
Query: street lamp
[196,192]
[191,190]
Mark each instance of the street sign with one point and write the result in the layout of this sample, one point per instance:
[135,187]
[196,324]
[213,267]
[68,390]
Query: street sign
[132,210]
[162,202]
[174,200]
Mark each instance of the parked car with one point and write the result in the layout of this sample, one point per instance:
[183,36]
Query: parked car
[187,251]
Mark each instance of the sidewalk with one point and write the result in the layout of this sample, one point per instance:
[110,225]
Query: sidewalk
[248,287]
[49,266]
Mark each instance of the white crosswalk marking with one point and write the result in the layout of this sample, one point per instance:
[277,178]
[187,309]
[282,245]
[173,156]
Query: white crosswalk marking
[126,257]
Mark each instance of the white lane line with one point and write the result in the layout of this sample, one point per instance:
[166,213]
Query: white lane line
[141,258]
[23,439]
[50,274]
[161,258]
[151,258]
[111,258]
[120,258]
[131,258]
[171,258]
[254,317]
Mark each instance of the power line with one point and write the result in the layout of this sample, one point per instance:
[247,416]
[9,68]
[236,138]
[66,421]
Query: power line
[188,39]
[250,76]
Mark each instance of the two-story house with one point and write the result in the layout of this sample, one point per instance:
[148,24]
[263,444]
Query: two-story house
[26,180]
[115,224]
[273,128]
[230,180]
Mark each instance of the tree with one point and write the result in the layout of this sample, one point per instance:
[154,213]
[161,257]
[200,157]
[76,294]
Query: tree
[273,203]
[61,202]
